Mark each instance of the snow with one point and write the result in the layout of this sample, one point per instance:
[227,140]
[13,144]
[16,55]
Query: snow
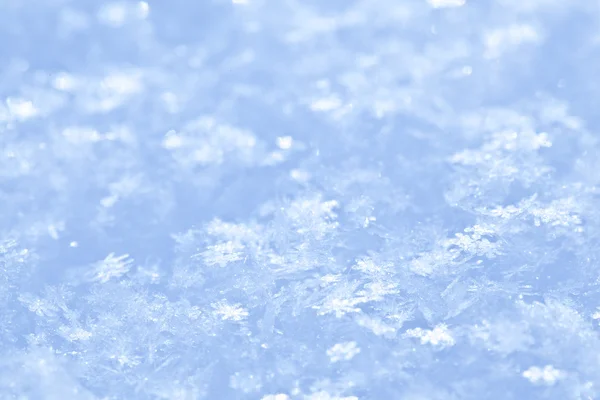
[296,200]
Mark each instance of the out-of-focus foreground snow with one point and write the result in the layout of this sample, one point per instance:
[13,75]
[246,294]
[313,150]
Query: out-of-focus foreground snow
[285,199]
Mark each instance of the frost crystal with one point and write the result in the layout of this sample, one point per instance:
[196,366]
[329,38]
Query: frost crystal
[223,253]
[233,312]
[112,267]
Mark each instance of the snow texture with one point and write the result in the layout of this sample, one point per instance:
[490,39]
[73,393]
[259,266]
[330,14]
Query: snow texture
[299,200]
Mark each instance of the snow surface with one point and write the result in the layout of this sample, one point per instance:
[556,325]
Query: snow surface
[299,200]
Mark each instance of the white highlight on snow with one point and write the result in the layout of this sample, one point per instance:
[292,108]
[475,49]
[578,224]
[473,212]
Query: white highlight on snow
[384,107]
[78,135]
[273,158]
[446,3]
[75,334]
[278,396]
[112,91]
[172,140]
[343,351]
[285,142]
[326,104]
[300,175]
[500,40]
[113,14]
[438,336]
[119,13]
[541,140]
[143,9]
[64,82]
[547,375]
[40,307]
[323,395]
[222,254]
[209,142]
[233,312]
[368,221]
[339,307]
[112,267]
[121,83]
[20,108]
[376,325]
[328,279]
[72,21]
[170,101]
[109,201]
[53,231]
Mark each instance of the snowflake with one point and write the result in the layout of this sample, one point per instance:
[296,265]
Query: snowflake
[369,266]
[507,212]
[473,243]
[328,279]
[233,312]
[428,263]
[312,215]
[376,291]
[339,306]
[477,231]
[559,213]
[39,306]
[222,254]
[496,158]
[194,313]
[112,267]
[205,142]
[75,334]
[240,233]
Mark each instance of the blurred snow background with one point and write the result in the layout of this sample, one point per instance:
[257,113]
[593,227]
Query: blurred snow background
[280,200]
